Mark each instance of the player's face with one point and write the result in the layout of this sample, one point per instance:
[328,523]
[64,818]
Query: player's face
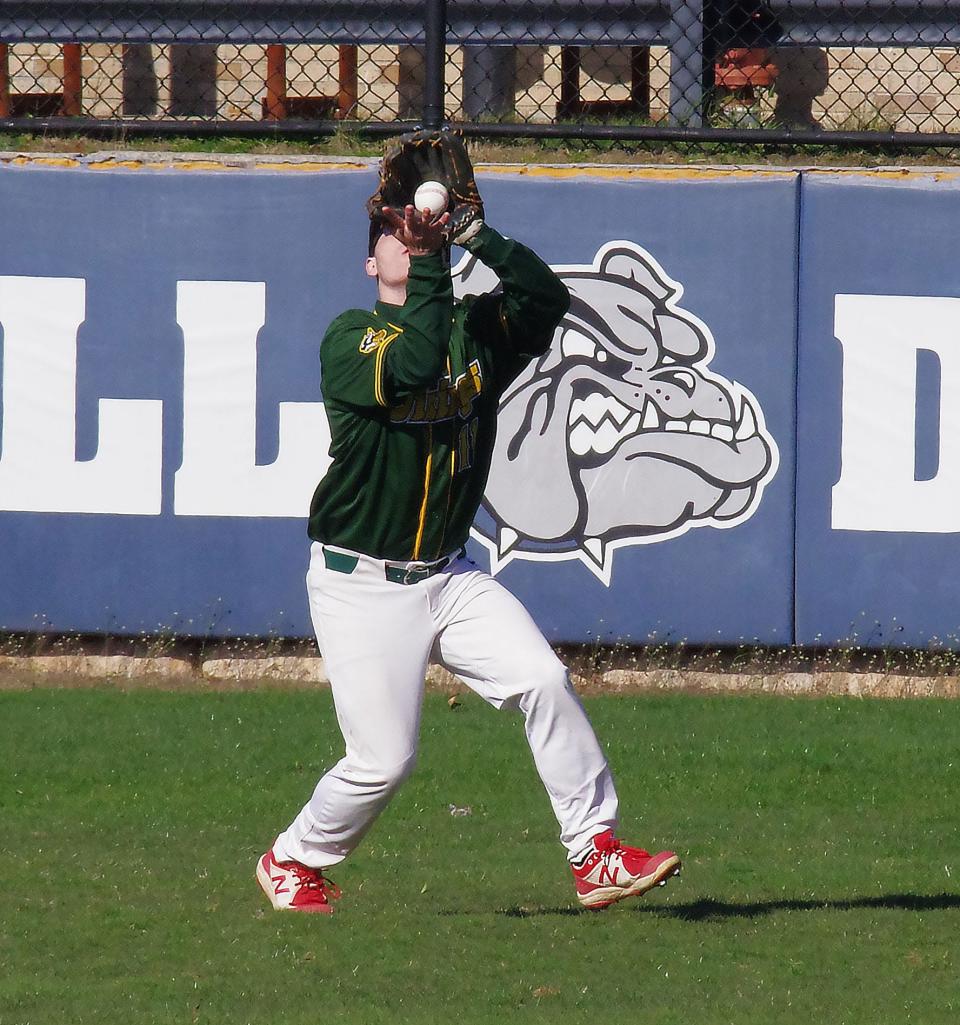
[390,261]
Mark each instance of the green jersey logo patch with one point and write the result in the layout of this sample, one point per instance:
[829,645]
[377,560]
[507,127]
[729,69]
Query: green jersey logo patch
[373,339]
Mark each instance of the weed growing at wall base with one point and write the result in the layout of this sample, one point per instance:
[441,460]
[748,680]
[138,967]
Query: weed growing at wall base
[353,144]
[819,840]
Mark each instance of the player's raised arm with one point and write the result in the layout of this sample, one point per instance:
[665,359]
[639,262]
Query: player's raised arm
[437,164]
[374,359]
[417,283]
[534,300]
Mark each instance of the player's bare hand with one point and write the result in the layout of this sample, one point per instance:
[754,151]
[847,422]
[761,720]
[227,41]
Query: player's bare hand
[420,233]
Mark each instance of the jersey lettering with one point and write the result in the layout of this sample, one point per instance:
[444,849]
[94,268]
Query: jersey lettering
[466,445]
[443,402]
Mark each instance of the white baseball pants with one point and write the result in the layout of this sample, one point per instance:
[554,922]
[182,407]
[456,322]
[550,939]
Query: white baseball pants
[377,637]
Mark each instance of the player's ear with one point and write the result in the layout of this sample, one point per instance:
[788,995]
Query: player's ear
[370,266]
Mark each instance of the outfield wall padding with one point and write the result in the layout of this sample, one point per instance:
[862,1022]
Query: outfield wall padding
[162,427]
[878,503]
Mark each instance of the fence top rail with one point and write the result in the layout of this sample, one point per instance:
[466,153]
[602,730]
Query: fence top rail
[869,23]
[359,21]
[508,22]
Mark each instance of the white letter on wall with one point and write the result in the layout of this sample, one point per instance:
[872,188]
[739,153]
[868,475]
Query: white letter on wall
[219,475]
[880,336]
[39,471]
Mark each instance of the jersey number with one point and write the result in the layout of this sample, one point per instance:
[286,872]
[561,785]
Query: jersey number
[467,445]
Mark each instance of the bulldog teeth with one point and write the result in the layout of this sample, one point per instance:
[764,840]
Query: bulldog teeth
[747,427]
[581,438]
[598,423]
[593,546]
[597,408]
[506,539]
[619,412]
[605,440]
[724,432]
[651,417]
[601,407]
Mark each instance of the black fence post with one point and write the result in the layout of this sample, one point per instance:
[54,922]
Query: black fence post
[435,32]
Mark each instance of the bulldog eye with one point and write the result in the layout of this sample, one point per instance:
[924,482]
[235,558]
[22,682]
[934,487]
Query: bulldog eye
[682,379]
[575,343]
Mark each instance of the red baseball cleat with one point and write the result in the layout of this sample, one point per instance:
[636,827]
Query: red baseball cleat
[290,886]
[612,871]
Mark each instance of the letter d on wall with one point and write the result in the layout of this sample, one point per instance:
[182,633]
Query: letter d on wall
[877,490]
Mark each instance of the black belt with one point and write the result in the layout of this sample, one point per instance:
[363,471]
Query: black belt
[340,562]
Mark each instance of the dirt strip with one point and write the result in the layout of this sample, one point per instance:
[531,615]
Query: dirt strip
[24,672]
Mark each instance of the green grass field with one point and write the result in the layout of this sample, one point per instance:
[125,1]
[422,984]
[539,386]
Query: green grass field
[821,880]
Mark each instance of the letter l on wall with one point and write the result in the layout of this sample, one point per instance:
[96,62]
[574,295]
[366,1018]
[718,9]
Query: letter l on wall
[39,470]
[219,475]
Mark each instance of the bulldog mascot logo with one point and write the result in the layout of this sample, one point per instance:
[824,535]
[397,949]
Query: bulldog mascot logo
[620,434]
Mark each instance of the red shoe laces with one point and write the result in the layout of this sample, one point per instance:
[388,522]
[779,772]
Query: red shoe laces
[312,879]
[609,844]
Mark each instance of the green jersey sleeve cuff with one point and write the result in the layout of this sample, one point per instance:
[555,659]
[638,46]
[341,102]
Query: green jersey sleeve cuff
[487,242]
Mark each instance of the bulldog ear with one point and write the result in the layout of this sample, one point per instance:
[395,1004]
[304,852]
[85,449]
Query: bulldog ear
[621,261]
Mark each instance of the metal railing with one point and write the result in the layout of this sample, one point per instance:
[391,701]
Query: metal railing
[800,71]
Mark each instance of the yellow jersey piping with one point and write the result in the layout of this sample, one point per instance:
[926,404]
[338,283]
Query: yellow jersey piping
[426,494]
[378,393]
[453,470]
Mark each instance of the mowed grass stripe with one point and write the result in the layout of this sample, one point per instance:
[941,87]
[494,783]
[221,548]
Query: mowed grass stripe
[819,838]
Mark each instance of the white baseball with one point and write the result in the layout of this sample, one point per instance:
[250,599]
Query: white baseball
[431,196]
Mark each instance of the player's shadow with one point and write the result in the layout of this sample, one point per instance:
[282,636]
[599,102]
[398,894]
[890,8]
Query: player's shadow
[706,909]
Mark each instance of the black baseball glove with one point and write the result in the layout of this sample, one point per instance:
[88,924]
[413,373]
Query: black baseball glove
[422,156]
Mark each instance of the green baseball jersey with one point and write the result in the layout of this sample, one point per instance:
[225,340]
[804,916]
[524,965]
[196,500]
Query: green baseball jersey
[411,394]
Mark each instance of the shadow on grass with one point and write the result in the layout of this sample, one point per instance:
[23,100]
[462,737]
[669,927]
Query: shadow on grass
[706,909]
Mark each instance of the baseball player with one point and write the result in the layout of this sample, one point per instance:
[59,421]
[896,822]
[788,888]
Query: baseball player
[411,391]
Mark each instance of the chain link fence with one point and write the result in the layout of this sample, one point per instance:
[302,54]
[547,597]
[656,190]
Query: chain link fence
[843,71]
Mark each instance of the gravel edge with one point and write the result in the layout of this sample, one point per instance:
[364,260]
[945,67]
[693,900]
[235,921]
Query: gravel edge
[24,672]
